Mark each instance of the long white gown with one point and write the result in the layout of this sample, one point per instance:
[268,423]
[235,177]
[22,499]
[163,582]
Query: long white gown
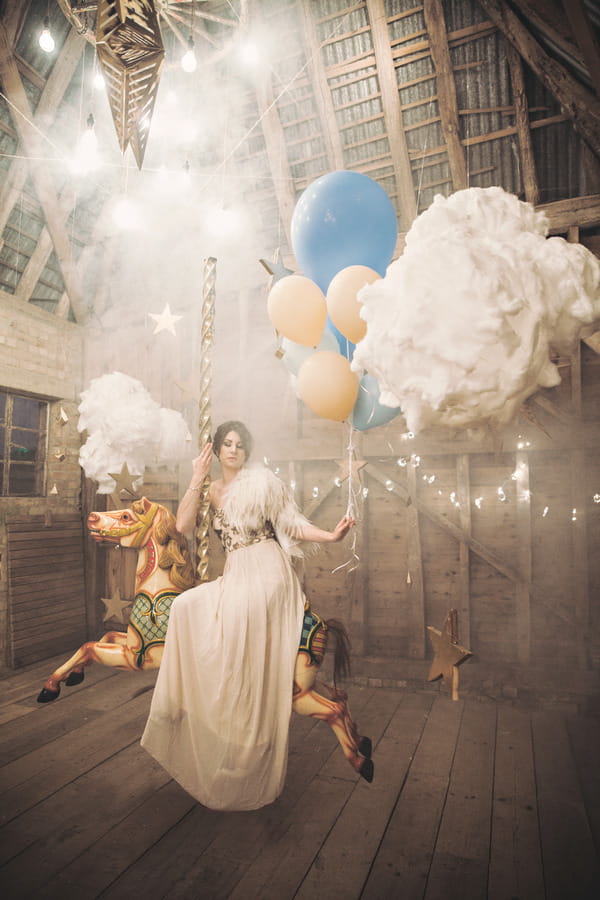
[220,713]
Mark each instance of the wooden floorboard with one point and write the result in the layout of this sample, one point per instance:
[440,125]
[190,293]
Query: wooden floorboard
[470,799]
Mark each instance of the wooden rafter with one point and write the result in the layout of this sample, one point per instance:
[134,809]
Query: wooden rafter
[276,150]
[582,107]
[52,94]
[322,94]
[46,193]
[526,156]
[446,90]
[392,114]
[584,35]
[581,211]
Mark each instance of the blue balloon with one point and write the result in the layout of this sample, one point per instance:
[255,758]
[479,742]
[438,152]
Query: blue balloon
[346,347]
[343,219]
[368,411]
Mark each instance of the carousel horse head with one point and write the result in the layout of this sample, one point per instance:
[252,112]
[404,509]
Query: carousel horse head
[142,523]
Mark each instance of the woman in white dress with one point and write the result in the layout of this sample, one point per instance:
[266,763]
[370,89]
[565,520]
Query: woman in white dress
[220,712]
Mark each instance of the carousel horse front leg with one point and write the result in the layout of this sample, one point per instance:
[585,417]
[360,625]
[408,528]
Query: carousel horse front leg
[110,650]
[334,711]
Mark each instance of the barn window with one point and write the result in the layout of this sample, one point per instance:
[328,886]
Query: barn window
[23,429]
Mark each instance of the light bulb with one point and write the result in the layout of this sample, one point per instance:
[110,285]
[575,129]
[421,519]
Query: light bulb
[188,60]
[46,41]
[86,157]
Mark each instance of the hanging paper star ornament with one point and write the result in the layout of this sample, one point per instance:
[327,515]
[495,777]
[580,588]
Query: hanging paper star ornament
[275,268]
[165,321]
[124,481]
[448,654]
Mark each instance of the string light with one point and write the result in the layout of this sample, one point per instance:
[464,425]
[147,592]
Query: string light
[315,492]
[478,502]
[46,41]
[189,62]
[545,512]
[389,485]
[596,498]
[365,492]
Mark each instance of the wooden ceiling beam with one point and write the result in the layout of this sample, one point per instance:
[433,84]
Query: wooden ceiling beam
[446,91]
[279,164]
[392,112]
[50,99]
[322,94]
[564,214]
[584,35]
[526,155]
[581,105]
[22,116]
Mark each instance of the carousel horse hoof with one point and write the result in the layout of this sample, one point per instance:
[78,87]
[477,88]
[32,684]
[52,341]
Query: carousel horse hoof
[77,678]
[365,748]
[367,770]
[46,695]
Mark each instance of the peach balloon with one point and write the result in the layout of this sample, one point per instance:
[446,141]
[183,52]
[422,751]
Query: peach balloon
[342,305]
[327,385]
[297,309]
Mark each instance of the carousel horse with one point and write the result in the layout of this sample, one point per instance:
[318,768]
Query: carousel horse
[164,569]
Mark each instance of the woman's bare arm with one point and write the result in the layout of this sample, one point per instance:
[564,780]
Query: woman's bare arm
[312,533]
[188,505]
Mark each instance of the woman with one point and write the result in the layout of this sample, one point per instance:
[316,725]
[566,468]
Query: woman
[220,713]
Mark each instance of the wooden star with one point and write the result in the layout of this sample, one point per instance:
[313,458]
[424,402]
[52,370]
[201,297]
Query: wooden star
[344,467]
[114,607]
[276,268]
[124,481]
[165,321]
[448,654]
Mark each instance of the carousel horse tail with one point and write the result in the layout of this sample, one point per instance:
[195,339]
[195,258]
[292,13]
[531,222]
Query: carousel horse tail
[342,667]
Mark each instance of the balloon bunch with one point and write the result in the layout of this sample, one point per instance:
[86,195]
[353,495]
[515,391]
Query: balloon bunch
[344,234]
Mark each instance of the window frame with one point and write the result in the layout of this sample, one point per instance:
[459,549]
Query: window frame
[40,464]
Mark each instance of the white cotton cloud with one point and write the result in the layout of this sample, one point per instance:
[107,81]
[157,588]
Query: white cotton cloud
[125,425]
[461,329]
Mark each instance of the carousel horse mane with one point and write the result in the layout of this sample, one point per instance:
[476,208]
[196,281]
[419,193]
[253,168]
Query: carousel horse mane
[174,553]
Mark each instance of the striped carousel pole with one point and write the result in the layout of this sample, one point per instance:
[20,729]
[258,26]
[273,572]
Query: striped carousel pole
[204,423]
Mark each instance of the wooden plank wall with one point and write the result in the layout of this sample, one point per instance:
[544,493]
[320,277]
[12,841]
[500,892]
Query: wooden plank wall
[46,587]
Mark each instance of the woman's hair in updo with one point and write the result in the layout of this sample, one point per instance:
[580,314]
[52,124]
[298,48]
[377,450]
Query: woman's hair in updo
[224,429]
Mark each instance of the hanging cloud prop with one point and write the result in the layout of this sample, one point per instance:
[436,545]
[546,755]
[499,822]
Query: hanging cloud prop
[125,425]
[461,329]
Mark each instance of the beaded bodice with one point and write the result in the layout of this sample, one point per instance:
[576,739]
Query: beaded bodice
[232,537]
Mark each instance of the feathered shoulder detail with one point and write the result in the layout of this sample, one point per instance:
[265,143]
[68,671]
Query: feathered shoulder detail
[257,496]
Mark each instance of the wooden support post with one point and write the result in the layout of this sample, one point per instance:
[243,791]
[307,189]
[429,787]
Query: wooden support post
[524,554]
[581,589]
[359,591]
[463,492]
[414,590]
[526,155]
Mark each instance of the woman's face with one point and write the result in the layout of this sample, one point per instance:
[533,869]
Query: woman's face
[232,454]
